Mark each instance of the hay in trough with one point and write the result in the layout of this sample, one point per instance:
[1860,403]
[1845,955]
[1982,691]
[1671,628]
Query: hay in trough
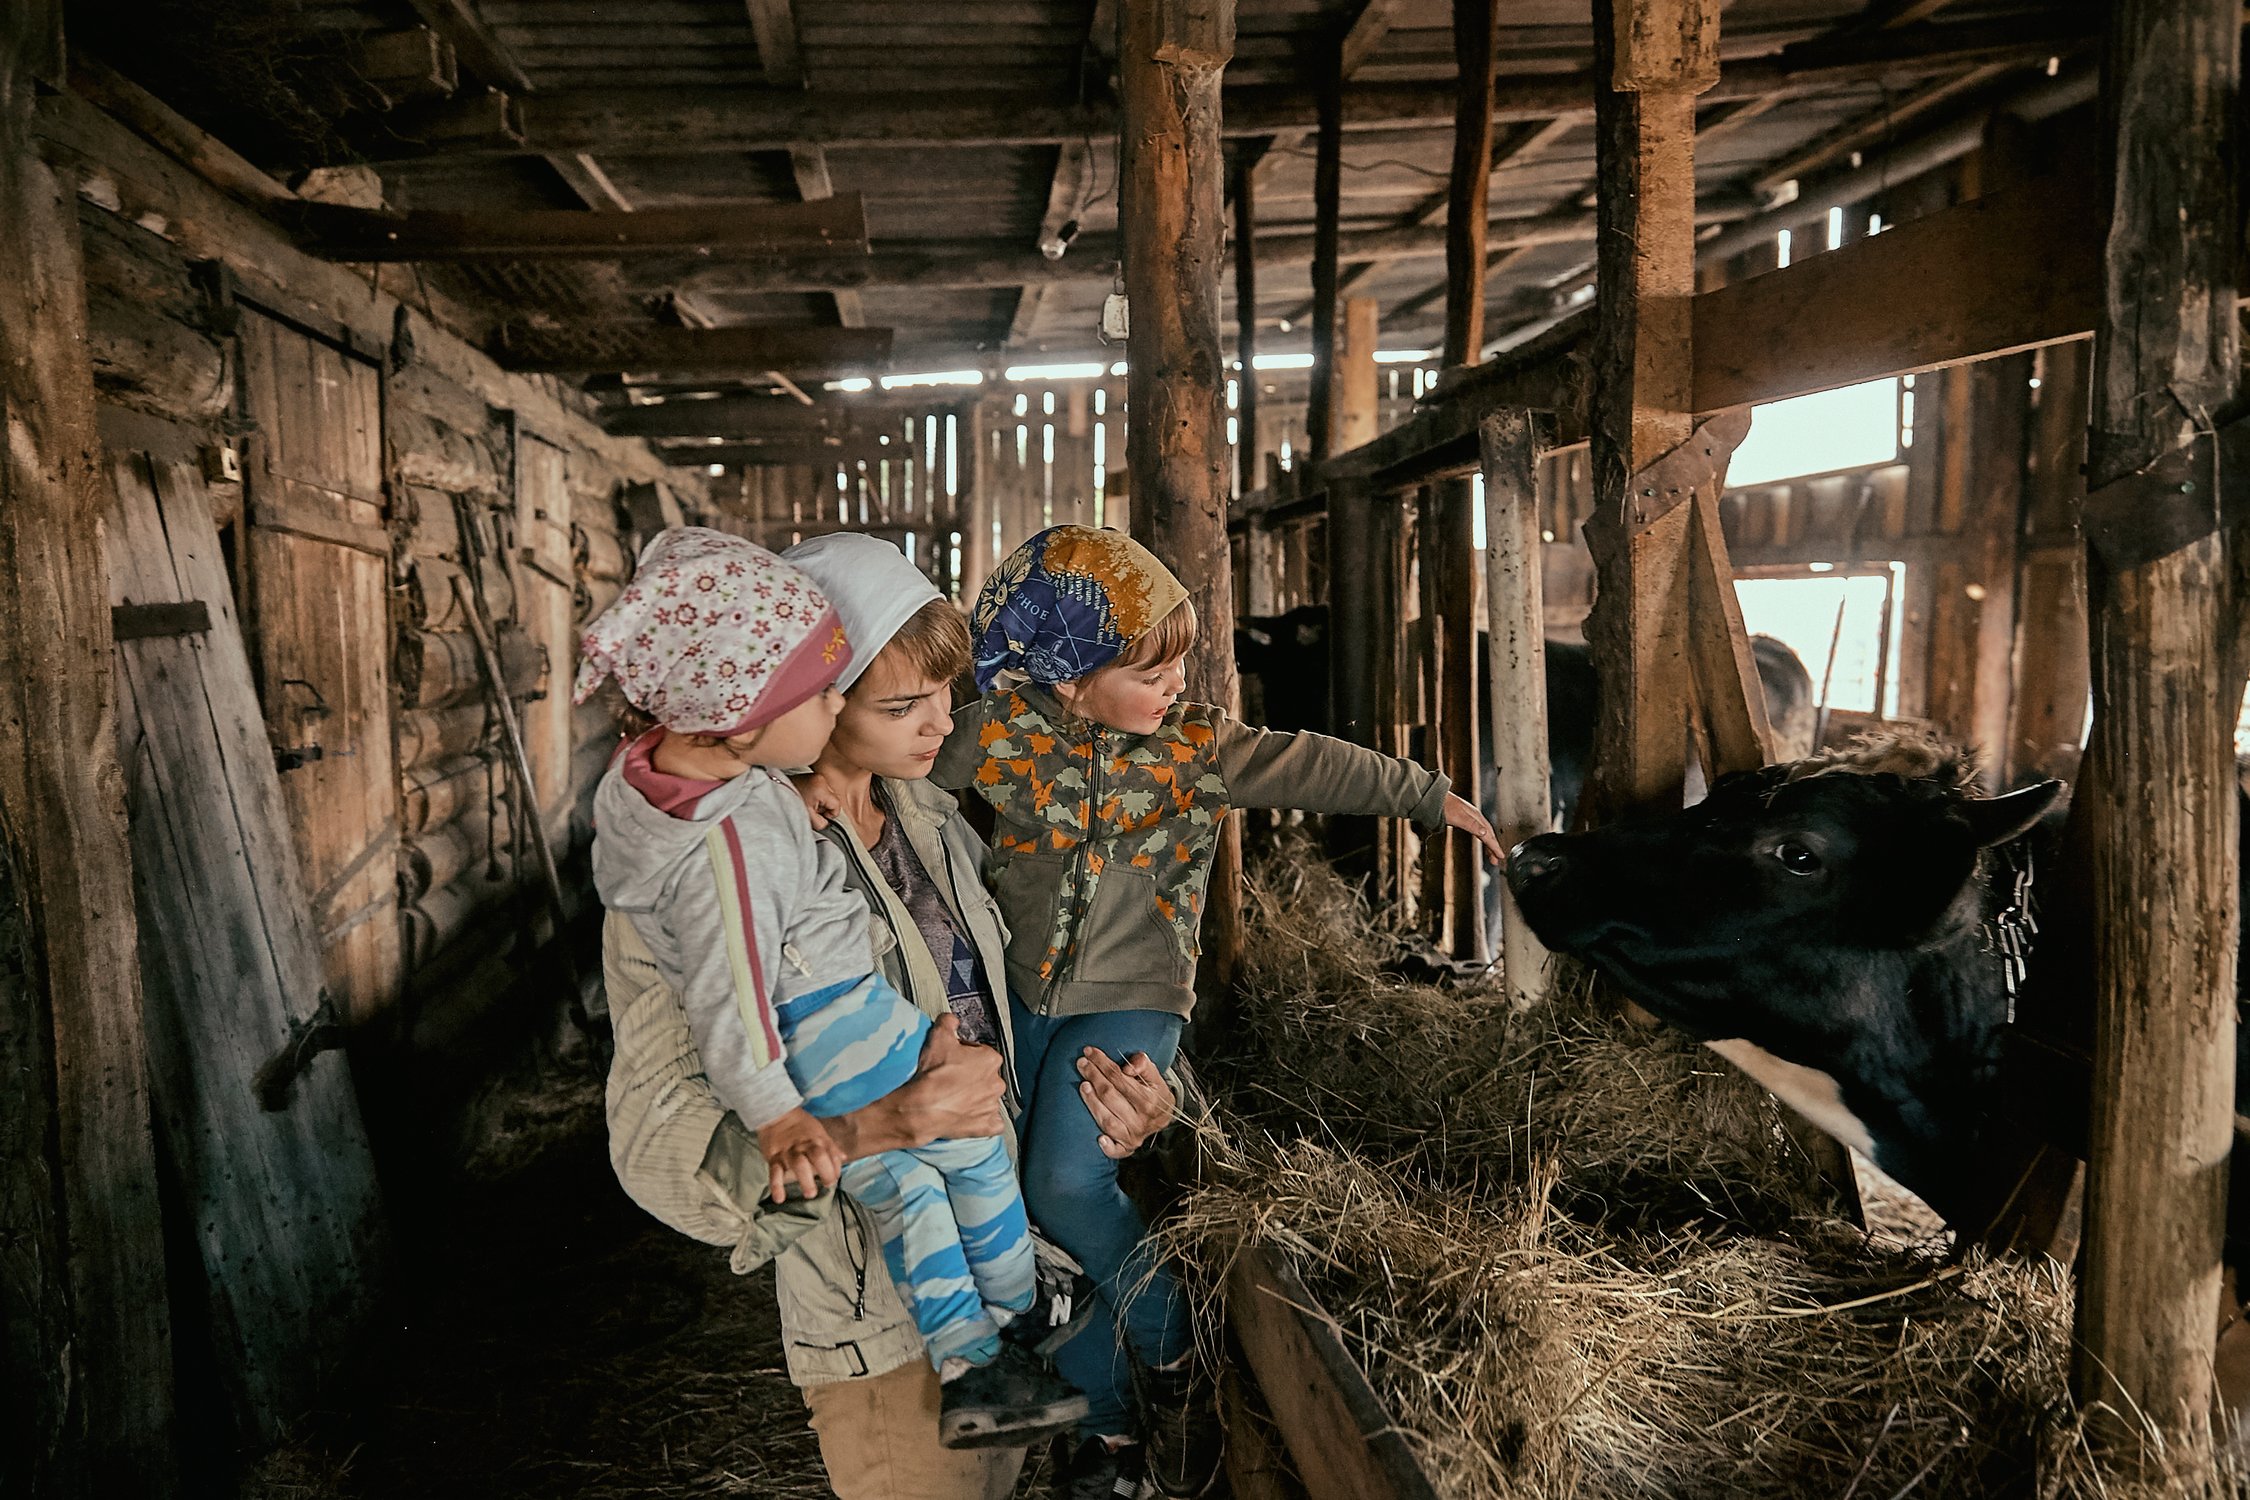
[1580,1258]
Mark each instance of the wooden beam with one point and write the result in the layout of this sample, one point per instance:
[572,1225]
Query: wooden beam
[1659,54]
[171,132]
[1961,276]
[1366,33]
[2158,795]
[1468,185]
[1249,450]
[85,1327]
[1875,127]
[477,46]
[1092,258]
[675,120]
[1328,172]
[809,164]
[727,417]
[817,353]
[1172,55]
[1452,518]
[1516,673]
[784,453]
[594,187]
[774,23]
[334,232]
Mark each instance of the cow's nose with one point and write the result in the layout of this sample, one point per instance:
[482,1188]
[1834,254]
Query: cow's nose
[1534,860]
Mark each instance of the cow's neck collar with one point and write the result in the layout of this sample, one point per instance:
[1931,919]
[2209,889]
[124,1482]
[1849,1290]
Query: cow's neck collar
[2010,925]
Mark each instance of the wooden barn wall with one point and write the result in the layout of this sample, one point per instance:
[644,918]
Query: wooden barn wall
[904,480]
[370,473]
[1981,509]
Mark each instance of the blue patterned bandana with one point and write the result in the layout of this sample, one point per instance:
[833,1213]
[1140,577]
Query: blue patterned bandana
[1065,603]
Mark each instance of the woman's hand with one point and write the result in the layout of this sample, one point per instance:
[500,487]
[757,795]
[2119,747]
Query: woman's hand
[1130,1103]
[1464,816]
[955,1091]
[798,1150]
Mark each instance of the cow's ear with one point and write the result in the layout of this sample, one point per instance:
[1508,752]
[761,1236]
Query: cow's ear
[2001,820]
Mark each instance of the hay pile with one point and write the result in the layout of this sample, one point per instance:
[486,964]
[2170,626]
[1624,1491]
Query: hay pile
[1580,1259]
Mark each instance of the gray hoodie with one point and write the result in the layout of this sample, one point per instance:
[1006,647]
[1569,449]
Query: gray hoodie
[742,909]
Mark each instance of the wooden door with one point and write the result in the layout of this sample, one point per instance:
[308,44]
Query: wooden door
[317,588]
[278,1183]
[544,579]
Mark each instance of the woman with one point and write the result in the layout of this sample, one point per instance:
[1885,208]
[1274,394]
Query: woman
[849,1341]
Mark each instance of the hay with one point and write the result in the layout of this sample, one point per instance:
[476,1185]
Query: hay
[1581,1259]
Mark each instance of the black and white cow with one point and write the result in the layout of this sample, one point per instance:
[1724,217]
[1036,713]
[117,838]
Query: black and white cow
[1838,928]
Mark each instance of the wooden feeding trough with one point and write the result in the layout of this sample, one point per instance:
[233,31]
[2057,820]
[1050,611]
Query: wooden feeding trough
[1342,1443]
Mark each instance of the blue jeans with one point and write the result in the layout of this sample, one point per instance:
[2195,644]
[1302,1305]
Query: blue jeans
[1072,1192]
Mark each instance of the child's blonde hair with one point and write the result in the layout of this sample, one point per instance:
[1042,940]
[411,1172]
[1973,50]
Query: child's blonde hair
[1163,643]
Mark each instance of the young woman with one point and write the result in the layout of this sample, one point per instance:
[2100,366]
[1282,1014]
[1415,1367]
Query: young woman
[915,859]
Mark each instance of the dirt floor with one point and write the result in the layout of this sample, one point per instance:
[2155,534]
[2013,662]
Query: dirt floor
[550,1339]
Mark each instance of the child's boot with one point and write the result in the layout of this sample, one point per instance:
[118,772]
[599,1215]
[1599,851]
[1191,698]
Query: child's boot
[1180,1416]
[1013,1402]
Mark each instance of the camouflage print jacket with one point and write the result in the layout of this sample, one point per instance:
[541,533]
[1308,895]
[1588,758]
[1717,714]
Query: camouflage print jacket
[1104,838]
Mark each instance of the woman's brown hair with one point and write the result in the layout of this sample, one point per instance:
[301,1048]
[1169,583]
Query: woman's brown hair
[1166,641]
[933,643]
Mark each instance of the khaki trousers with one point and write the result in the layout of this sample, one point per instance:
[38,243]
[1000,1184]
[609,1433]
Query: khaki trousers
[879,1441]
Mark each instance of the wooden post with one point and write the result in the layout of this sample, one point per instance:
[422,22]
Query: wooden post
[1453,635]
[1515,606]
[84,1323]
[1652,57]
[1328,187]
[2158,794]
[1355,600]
[1171,56]
[1355,409]
[1248,454]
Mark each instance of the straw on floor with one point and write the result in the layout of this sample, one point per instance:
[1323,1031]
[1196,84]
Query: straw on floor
[1579,1258]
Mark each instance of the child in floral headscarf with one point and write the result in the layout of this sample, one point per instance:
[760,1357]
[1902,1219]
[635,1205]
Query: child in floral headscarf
[1109,792]
[706,849]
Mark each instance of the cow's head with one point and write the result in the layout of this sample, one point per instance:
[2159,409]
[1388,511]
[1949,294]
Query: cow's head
[1820,925]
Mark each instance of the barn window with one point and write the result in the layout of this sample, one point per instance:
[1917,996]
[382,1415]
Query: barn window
[1821,610]
[1819,434]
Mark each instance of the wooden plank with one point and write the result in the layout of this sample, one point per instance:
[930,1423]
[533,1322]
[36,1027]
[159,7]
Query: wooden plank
[1366,32]
[282,1205]
[1342,1442]
[2049,710]
[280,510]
[1171,57]
[1516,669]
[85,1291]
[2158,797]
[1950,287]
[804,352]
[544,578]
[333,231]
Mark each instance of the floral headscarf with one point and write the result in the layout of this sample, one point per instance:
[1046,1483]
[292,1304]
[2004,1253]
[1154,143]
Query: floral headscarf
[1068,602]
[714,635]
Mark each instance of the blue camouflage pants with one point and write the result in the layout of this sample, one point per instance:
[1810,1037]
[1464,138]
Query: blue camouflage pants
[949,1214]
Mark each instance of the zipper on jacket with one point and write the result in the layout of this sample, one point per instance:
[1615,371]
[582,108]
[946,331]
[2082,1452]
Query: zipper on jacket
[1066,965]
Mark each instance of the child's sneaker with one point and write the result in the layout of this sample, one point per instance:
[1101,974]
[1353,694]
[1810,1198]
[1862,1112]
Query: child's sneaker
[1013,1402]
[1180,1418]
[1096,1471]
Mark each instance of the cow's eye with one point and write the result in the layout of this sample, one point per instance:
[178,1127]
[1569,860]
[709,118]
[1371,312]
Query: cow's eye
[1796,858]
